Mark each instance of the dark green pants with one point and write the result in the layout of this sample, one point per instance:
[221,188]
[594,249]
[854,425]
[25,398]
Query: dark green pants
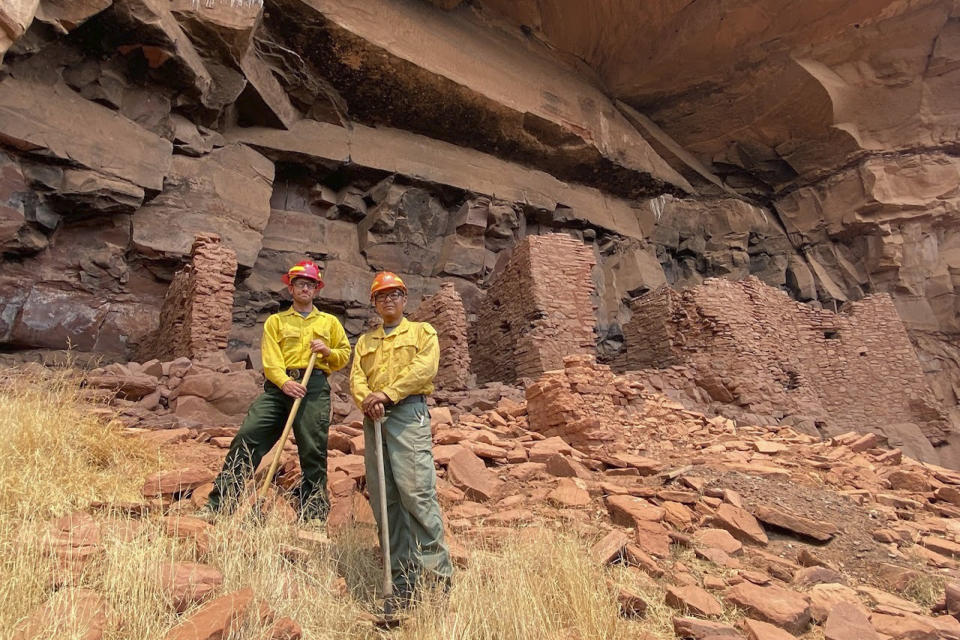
[260,431]
[416,526]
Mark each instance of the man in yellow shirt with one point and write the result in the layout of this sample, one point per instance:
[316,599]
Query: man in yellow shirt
[289,337]
[392,374]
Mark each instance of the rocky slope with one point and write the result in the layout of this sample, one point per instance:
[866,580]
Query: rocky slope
[726,530]
[814,147]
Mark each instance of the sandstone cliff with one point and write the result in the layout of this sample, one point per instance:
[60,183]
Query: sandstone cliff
[813,146]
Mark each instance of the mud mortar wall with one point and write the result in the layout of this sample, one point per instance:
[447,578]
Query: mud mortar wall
[537,311]
[751,345]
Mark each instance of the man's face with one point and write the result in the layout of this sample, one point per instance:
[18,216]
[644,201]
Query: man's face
[389,304]
[302,290]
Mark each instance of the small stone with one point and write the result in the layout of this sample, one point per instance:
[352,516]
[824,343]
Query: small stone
[848,622]
[693,599]
[782,607]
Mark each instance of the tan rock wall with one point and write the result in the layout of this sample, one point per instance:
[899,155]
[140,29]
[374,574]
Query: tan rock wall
[537,311]
[444,310]
[751,345]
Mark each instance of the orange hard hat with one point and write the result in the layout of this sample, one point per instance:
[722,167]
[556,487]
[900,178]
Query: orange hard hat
[386,280]
[304,269]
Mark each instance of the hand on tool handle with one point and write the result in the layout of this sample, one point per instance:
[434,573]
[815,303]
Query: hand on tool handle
[294,389]
[374,405]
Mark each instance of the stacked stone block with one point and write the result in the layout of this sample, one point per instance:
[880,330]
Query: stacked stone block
[445,311]
[537,311]
[585,403]
[197,310]
[750,345]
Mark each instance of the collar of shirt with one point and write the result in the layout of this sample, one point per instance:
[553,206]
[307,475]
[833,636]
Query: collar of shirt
[400,328]
[290,311]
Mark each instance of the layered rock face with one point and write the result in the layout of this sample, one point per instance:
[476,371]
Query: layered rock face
[813,147]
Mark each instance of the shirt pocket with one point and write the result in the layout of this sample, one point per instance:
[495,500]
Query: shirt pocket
[404,351]
[289,337]
[366,351]
[321,333]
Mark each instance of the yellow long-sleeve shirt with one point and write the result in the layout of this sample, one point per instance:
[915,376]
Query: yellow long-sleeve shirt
[401,364]
[286,343]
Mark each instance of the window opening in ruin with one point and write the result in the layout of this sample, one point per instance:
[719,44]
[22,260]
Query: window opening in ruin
[793,380]
[831,334]
[505,326]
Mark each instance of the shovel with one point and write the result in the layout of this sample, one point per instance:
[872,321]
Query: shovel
[389,618]
[286,434]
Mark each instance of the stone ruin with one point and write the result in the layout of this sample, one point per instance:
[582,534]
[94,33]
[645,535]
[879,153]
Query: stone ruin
[444,310]
[197,310]
[584,402]
[537,311]
[749,345]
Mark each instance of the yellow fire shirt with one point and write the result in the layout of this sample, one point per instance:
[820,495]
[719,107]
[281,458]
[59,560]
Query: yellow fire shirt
[401,364]
[286,343]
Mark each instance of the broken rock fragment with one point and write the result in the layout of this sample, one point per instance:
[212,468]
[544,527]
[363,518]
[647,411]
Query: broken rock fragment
[741,525]
[784,608]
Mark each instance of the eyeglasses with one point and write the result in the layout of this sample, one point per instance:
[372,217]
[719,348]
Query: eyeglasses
[396,294]
[304,284]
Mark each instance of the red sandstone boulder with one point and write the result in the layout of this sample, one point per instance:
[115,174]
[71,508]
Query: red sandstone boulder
[185,584]
[188,528]
[629,510]
[905,627]
[952,598]
[468,473]
[216,619]
[719,539]
[740,524]
[543,450]
[566,467]
[908,481]
[693,599]
[568,495]
[609,548]
[848,621]
[804,527]
[284,629]
[132,386]
[787,609]
[168,483]
[632,605]
[637,557]
[653,538]
[79,614]
[703,629]
[757,630]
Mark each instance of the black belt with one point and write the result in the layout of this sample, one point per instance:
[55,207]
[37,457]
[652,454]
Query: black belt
[296,374]
[419,397]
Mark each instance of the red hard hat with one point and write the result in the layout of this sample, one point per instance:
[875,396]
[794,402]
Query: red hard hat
[304,269]
[386,280]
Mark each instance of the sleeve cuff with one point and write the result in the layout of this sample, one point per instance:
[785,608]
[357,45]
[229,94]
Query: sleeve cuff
[392,394]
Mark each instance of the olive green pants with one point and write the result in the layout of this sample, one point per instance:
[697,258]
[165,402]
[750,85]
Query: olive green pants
[260,431]
[413,510]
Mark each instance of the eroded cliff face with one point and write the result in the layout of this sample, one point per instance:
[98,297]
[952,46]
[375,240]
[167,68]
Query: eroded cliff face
[812,146]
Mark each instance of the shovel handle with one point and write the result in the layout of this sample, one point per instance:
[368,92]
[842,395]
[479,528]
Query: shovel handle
[384,525]
[286,431]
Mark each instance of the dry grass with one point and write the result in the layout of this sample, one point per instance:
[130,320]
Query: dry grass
[56,457]
[926,589]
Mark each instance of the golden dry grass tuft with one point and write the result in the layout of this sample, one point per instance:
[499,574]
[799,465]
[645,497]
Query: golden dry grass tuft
[57,456]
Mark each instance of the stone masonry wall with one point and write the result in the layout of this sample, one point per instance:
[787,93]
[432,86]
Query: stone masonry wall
[445,311]
[585,403]
[751,345]
[537,311]
[197,310]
